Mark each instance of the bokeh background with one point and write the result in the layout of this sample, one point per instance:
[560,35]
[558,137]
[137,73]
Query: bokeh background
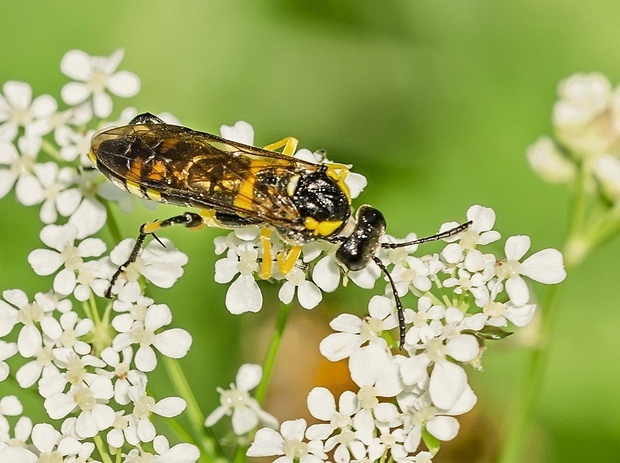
[435,102]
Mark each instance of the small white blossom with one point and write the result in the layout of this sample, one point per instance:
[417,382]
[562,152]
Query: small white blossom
[173,343]
[144,406]
[308,294]
[162,266]
[545,266]
[95,75]
[289,443]
[76,276]
[243,294]
[355,332]
[246,411]
[19,110]
[90,398]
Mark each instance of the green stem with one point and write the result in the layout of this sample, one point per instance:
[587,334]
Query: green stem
[515,446]
[102,449]
[112,223]
[268,364]
[196,419]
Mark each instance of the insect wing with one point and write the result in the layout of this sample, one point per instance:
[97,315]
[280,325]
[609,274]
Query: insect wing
[181,166]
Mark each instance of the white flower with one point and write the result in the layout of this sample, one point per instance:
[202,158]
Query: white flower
[9,406]
[420,414]
[74,143]
[18,109]
[19,171]
[606,168]
[77,275]
[67,332]
[581,116]
[241,132]
[545,266]
[289,443]
[57,197]
[243,294]
[500,313]
[480,232]
[180,453]
[374,370]
[41,365]
[145,405]
[124,376]
[246,411]
[339,432]
[90,397]
[547,161]
[162,266]
[173,343]
[124,429]
[30,315]
[7,350]
[89,215]
[95,75]
[308,294]
[22,431]
[355,331]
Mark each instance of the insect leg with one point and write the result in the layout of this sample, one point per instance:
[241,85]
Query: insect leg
[286,261]
[188,219]
[289,145]
[399,305]
[265,268]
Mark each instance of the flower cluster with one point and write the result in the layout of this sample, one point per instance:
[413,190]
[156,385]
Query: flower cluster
[89,358]
[586,156]
[465,296]
[86,357]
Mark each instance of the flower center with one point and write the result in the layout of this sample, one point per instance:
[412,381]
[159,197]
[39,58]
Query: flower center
[469,239]
[85,399]
[97,81]
[435,350]
[367,396]
[50,457]
[20,116]
[295,449]
[23,164]
[419,417]
[247,262]
[233,398]
[71,257]
[30,314]
[340,420]
[494,309]
[143,407]
[371,328]
[142,336]
[75,371]
[508,268]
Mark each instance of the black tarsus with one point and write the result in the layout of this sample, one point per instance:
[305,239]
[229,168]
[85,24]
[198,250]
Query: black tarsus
[187,219]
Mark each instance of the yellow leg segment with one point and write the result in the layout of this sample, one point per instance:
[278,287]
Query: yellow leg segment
[289,145]
[265,267]
[287,262]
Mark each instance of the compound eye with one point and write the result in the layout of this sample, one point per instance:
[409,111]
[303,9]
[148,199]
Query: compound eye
[359,248]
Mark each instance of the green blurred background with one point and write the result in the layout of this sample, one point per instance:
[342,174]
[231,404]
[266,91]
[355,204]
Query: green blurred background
[435,102]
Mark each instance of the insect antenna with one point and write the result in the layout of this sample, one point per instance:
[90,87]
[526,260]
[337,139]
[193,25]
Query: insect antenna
[399,304]
[426,239]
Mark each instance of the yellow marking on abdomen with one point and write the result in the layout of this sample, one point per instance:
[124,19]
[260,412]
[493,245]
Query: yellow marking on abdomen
[153,194]
[134,188]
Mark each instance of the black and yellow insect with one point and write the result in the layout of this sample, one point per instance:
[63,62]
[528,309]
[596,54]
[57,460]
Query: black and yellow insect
[238,185]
